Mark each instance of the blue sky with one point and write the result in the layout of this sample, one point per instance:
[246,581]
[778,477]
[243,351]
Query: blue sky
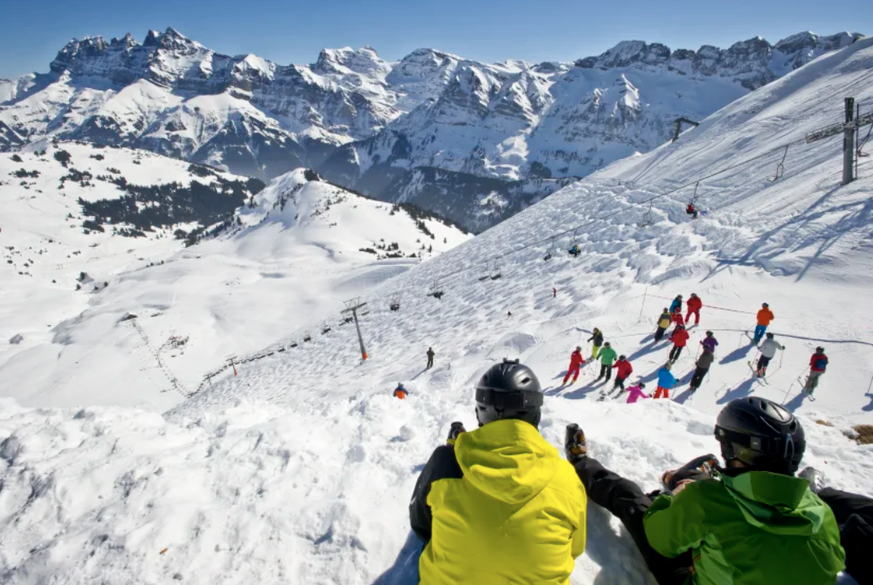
[293,31]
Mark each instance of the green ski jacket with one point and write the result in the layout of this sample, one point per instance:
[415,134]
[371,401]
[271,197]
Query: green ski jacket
[756,528]
[607,356]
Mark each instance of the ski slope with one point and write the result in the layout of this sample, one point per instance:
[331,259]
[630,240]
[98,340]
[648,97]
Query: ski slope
[298,469]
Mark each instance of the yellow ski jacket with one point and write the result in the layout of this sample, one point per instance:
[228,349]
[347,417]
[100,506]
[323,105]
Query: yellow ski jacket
[502,507]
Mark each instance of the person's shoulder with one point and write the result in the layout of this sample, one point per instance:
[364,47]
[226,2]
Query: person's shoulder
[567,482]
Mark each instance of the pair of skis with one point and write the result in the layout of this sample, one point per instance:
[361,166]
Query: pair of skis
[759,377]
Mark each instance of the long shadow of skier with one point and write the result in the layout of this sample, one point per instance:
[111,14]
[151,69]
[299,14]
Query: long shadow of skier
[682,398]
[643,351]
[404,571]
[738,354]
[796,402]
[741,391]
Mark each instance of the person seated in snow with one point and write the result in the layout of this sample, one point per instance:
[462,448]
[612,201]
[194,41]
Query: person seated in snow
[634,393]
[400,392]
[575,251]
[749,521]
[691,210]
[499,505]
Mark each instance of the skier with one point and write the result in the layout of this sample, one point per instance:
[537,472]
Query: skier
[634,393]
[818,363]
[748,522]
[576,362]
[597,337]
[704,362]
[679,339]
[694,305]
[710,342]
[554,292]
[430,355]
[666,380]
[607,357]
[765,316]
[663,323]
[400,392]
[575,251]
[768,352]
[624,370]
[501,482]
[691,210]
[676,305]
[678,320]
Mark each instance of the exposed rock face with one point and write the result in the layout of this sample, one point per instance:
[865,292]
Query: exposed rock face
[428,123]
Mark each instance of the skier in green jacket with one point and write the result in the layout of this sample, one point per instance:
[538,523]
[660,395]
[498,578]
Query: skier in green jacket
[607,358]
[751,522]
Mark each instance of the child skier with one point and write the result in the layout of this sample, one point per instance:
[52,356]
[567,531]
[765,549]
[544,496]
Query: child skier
[768,352]
[607,357]
[576,362]
[400,392]
[694,306]
[679,339]
[624,370]
[818,363]
[634,393]
[765,317]
[663,323]
[597,338]
[666,380]
[710,342]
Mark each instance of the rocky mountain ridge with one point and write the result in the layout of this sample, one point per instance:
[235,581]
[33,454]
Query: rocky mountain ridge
[507,132]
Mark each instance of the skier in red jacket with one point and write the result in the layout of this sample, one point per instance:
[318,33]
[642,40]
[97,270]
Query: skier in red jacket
[818,363]
[679,339]
[678,321]
[625,369]
[576,362]
[694,306]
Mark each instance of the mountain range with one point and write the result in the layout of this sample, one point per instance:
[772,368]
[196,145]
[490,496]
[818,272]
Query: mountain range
[472,141]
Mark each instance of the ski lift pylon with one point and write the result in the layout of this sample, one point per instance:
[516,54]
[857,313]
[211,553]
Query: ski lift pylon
[780,167]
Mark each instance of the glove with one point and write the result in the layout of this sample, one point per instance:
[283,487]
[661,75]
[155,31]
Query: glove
[575,447]
[695,470]
[456,429]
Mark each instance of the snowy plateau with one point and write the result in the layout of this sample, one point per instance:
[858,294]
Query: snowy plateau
[133,451]
[474,142]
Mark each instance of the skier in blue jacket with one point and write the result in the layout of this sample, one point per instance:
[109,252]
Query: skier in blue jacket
[666,380]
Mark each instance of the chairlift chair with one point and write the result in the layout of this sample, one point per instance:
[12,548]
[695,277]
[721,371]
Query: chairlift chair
[495,272]
[307,337]
[325,328]
[435,290]
[550,251]
[486,275]
[575,245]
[648,217]
[394,303]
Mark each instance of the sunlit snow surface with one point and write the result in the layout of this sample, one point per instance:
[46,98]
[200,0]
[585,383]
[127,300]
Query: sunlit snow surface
[299,469]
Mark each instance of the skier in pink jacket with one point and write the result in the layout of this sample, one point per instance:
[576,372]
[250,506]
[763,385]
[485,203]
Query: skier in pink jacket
[634,393]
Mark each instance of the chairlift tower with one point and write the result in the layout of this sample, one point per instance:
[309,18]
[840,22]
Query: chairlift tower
[849,129]
[352,307]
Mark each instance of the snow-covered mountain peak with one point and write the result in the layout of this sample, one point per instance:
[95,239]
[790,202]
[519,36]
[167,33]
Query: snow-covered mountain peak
[364,61]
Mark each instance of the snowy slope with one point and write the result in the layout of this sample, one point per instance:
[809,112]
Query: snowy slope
[298,468]
[302,248]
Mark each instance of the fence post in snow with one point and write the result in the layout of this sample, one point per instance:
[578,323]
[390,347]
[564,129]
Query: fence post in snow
[643,306]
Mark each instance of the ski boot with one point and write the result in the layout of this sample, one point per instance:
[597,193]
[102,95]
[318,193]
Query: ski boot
[696,469]
[457,429]
[575,447]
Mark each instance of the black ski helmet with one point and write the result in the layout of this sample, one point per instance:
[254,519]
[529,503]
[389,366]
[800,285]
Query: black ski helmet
[769,336]
[760,434]
[508,390]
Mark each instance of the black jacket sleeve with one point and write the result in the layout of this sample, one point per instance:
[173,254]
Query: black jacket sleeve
[441,465]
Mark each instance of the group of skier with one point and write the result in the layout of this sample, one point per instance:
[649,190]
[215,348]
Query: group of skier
[679,338]
[499,505]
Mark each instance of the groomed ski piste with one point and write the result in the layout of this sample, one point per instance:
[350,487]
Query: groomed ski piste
[299,469]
